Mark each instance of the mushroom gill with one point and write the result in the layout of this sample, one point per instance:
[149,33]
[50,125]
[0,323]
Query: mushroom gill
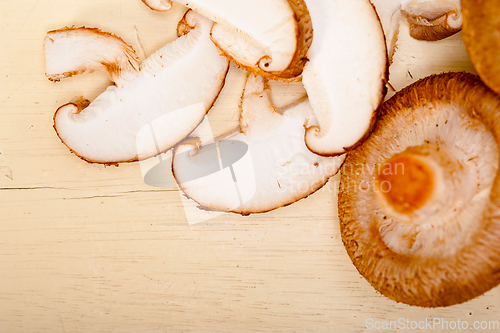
[260,167]
[419,200]
[176,86]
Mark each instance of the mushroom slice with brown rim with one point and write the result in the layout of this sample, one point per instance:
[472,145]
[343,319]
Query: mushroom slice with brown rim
[428,19]
[177,85]
[346,73]
[158,5]
[418,201]
[481,36]
[71,51]
[268,37]
[261,167]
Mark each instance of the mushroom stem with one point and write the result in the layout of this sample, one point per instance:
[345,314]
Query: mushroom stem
[405,183]
[415,182]
[417,189]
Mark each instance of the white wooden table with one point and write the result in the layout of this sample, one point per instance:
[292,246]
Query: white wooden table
[87,248]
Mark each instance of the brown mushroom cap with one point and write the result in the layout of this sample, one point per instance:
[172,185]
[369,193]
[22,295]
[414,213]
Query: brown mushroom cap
[419,200]
[481,36]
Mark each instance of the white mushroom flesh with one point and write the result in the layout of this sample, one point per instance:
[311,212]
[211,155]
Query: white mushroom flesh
[189,71]
[260,33]
[345,75]
[158,5]
[421,12]
[277,169]
[71,51]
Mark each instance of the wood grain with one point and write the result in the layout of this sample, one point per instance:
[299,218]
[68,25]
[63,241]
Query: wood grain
[87,248]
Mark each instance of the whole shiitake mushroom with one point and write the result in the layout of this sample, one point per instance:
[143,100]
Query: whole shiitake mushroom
[419,200]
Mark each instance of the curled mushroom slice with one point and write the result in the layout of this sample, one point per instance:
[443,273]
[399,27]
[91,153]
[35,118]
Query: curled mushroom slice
[428,19]
[269,37]
[345,75]
[178,84]
[158,5]
[481,36]
[418,201]
[263,166]
[71,51]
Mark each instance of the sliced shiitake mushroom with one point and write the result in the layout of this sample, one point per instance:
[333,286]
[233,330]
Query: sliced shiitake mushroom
[71,51]
[187,72]
[419,200]
[428,19]
[260,167]
[158,5]
[481,36]
[346,73]
[267,37]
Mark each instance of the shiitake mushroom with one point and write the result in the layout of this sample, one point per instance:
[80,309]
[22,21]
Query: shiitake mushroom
[481,36]
[419,201]
[169,94]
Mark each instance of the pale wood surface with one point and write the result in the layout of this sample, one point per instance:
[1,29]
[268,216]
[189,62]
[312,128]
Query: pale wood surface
[87,248]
